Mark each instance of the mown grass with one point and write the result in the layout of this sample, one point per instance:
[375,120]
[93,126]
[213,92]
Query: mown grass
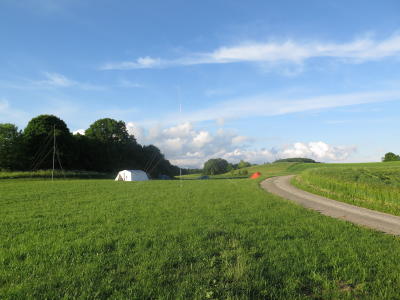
[57,174]
[374,186]
[210,239]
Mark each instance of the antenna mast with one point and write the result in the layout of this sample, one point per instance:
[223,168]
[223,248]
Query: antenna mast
[180,116]
[54,151]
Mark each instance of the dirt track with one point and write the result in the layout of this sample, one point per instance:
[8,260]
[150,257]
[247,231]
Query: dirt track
[376,220]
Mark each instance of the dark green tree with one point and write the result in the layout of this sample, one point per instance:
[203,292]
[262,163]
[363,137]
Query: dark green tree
[243,164]
[215,166]
[390,156]
[39,138]
[11,157]
[110,146]
[109,131]
[106,146]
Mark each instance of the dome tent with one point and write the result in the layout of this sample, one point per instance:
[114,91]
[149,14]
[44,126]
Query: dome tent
[132,175]
[255,175]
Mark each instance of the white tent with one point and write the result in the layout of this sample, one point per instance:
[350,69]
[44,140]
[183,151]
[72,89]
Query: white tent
[132,175]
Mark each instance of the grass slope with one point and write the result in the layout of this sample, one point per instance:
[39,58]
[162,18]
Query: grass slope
[188,240]
[374,186]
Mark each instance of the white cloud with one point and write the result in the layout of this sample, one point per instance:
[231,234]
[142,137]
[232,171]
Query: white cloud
[129,84]
[201,139]
[11,115]
[318,150]
[217,92]
[58,80]
[187,146]
[289,51]
[135,130]
[51,80]
[267,105]
[141,63]
[181,130]
[79,131]
[238,140]
[47,7]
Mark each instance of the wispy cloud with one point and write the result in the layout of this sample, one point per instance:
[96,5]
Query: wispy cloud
[218,92]
[44,6]
[51,80]
[129,84]
[266,105]
[55,79]
[10,114]
[61,81]
[140,63]
[288,51]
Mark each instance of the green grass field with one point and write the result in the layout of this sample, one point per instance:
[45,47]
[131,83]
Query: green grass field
[190,239]
[375,186]
[43,174]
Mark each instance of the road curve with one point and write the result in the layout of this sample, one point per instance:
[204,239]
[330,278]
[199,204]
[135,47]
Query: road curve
[376,220]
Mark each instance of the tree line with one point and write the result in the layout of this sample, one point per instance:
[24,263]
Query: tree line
[106,146]
[217,166]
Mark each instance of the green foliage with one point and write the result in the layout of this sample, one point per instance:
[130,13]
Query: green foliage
[215,166]
[242,172]
[10,147]
[43,125]
[376,187]
[296,159]
[390,156]
[38,138]
[108,131]
[106,147]
[216,239]
[243,164]
[57,174]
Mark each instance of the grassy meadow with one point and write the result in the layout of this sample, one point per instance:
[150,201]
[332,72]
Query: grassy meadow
[189,239]
[375,186]
[46,174]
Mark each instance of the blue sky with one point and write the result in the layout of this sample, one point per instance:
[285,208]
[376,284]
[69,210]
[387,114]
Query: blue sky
[254,80]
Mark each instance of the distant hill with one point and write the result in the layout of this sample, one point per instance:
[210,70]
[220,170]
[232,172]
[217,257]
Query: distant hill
[297,159]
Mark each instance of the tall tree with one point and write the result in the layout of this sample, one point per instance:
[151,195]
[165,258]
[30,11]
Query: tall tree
[243,164]
[39,138]
[112,148]
[109,131]
[215,166]
[390,156]
[10,147]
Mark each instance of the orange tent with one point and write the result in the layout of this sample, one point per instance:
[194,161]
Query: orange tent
[255,175]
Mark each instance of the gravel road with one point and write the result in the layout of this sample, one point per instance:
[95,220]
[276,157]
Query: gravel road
[369,218]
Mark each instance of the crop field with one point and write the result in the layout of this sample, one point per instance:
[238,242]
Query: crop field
[375,186]
[296,168]
[189,239]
